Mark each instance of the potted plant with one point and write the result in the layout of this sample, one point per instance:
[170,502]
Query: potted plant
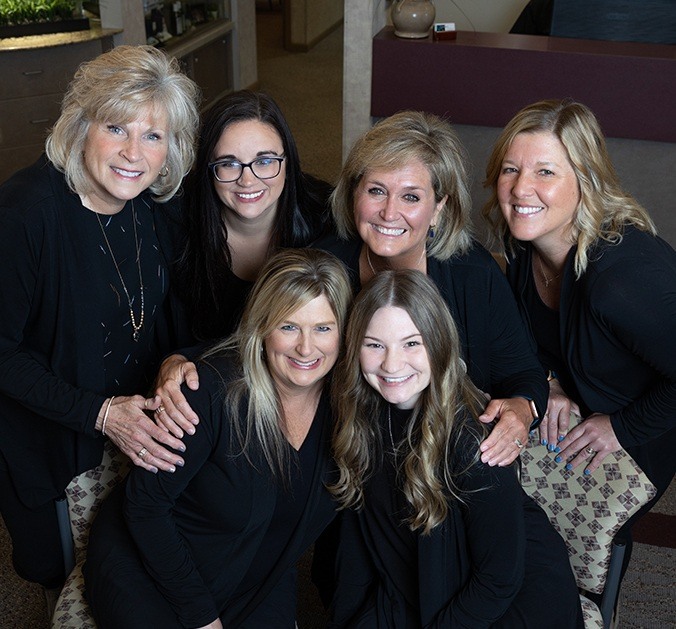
[38,17]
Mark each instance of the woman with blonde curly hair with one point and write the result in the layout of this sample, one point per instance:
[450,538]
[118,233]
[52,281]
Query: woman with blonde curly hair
[596,288]
[436,538]
[86,244]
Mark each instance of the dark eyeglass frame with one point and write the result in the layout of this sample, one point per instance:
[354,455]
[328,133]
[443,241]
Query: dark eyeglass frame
[242,166]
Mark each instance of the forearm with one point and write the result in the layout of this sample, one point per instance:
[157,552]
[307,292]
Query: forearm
[28,382]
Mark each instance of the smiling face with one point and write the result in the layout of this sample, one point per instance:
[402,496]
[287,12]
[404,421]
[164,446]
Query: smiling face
[538,191]
[304,347]
[393,210]
[250,200]
[122,160]
[393,358]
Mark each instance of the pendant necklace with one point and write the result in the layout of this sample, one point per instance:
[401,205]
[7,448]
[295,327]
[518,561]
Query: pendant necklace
[547,280]
[136,328]
[389,426]
[368,258]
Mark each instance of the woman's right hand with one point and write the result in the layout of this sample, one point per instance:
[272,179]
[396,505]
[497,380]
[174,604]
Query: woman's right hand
[137,435]
[174,414]
[556,422]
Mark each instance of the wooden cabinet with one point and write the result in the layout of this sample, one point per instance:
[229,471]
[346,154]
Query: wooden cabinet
[207,57]
[34,80]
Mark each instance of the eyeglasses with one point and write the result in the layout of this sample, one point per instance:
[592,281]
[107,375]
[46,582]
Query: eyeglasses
[229,170]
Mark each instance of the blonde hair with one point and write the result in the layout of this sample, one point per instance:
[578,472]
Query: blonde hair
[290,279]
[114,87]
[394,142]
[604,208]
[436,423]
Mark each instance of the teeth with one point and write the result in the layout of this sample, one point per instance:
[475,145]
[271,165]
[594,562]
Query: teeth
[388,232]
[305,364]
[528,209]
[395,380]
[127,173]
[250,195]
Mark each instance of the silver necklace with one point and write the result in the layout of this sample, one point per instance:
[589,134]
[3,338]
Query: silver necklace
[136,328]
[368,259]
[547,280]
[389,427]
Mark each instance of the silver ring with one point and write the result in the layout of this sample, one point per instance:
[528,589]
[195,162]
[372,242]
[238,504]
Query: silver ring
[142,452]
[518,444]
[160,409]
[590,451]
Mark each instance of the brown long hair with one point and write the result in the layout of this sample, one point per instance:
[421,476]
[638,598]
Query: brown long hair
[434,427]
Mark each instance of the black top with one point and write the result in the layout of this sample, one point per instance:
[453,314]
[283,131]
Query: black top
[494,561]
[499,354]
[617,339]
[201,529]
[55,294]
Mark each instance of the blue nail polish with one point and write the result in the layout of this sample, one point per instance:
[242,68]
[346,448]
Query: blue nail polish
[557,449]
[544,442]
[569,466]
[561,437]
[558,459]
[587,472]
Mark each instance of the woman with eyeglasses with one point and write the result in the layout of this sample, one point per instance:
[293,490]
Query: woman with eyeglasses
[246,197]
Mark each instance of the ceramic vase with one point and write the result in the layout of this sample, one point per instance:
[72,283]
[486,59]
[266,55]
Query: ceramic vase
[412,19]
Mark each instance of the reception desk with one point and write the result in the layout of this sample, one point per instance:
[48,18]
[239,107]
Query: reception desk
[485,78]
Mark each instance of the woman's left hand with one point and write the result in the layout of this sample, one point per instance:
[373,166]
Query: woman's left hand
[589,442]
[510,434]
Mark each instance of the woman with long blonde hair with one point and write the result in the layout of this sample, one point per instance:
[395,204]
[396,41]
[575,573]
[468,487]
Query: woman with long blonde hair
[431,536]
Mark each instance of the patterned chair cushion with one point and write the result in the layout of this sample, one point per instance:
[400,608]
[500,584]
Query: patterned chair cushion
[72,611]
[587,511]
[591,614]
[85,493]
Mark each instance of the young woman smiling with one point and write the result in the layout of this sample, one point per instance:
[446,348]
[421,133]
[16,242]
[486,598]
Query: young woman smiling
[436,538]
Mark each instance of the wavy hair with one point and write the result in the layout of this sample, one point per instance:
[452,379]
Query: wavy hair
[604,207]
[394,142]
[114,87]
[289,280]
[434,427]
[302,209]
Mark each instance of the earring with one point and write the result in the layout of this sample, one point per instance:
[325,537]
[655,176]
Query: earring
[430,231]
[164,171]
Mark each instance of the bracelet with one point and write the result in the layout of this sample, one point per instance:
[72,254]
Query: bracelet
[105,416]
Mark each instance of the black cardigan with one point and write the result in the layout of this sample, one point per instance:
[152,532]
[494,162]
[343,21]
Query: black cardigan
[199,529]
[618,340]
[499,354]
[52,378]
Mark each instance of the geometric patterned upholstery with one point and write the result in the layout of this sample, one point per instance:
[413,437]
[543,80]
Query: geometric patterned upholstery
[85,493]
[587,511]
[591,614]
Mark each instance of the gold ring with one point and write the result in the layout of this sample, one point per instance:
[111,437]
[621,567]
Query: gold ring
[160,409]
[145,403]
[142,452]
[518,444]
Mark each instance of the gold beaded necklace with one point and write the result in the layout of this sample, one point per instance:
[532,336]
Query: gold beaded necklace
[136,328]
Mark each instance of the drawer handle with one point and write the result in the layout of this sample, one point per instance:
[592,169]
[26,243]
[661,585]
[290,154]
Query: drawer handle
[33,72]
[40,121]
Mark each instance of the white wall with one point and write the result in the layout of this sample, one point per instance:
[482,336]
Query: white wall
[311,19]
